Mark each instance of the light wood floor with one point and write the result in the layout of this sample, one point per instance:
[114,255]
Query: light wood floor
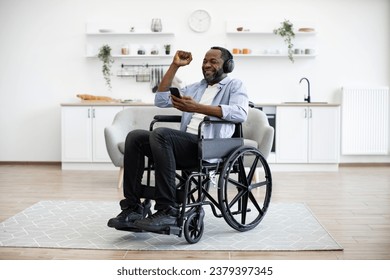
[352,204]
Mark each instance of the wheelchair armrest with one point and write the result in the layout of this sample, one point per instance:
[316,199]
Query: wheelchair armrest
[165,118]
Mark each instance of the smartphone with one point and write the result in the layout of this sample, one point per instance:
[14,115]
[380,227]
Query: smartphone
[175,91]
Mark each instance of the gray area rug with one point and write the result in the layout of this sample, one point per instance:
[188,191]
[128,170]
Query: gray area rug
[82,225]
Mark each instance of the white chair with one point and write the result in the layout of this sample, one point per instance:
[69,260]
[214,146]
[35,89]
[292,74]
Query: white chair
[257,131]
[135,117]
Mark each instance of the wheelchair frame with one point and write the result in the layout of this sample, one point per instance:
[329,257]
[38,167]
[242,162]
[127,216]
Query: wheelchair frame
[194,185]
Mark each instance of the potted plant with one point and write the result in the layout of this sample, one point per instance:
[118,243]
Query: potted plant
[167,49]
[105,56]
[287,32]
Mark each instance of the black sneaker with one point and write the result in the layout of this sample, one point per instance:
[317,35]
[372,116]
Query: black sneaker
[126,218]
[159,221]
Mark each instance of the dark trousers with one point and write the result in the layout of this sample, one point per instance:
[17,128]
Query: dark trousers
[165,147]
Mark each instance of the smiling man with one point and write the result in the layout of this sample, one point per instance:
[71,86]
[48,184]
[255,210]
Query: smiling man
[216,95]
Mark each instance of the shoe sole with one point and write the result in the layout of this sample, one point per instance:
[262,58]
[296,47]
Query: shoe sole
[121,225]
[132,229]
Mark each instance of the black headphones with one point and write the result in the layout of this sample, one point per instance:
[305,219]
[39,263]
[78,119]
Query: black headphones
[228,64]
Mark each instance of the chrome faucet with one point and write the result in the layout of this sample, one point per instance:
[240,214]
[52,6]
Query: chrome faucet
[308,89]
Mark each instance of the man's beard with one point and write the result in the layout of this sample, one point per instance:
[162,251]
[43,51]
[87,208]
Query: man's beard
[216,77]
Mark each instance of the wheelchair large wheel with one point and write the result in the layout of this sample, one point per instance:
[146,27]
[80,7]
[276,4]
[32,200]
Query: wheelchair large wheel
[244,188]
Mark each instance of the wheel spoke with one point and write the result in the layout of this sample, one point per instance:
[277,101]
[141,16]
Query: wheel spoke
[252,169]
[238,196]
[237,184]
[244,209]
[258,185]
[194,232]
[256,204]
[241,171]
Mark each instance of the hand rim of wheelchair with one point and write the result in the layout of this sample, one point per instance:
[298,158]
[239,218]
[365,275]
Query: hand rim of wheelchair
[245,187]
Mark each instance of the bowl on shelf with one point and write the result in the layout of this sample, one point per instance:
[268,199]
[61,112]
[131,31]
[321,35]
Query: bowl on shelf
[105,30]
[306,29]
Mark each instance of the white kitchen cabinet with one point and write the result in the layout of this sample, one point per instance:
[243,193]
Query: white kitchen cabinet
[324,134]
[307,134]
[83,133]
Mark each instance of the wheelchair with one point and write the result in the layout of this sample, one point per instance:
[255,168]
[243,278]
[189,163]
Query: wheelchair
[237,187]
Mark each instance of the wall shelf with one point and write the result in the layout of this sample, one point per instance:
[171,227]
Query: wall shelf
[275,55]
[136,56]
[148,33]
[131,36]
[243,33]
[257,39]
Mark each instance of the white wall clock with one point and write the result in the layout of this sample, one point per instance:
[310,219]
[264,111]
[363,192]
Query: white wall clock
[199,21]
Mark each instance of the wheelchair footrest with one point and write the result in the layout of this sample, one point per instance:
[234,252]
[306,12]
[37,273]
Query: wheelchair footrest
[175,230]
[168,231]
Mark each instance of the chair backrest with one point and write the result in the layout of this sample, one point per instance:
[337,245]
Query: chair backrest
[140,117]
[257,128]
[135,117]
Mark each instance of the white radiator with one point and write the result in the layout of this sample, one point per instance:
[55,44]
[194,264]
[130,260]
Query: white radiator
[365,121]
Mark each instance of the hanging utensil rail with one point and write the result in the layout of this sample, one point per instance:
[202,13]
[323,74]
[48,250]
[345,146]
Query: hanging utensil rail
[152,73]
[132,70]
[143,65]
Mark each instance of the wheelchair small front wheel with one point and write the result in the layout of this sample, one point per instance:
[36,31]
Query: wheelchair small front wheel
[194,226]
[244,188]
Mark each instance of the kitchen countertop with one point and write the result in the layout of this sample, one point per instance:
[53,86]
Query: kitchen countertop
[107,103]
[137,103]
[305,104]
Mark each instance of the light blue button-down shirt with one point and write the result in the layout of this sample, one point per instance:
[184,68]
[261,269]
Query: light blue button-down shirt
[231,97]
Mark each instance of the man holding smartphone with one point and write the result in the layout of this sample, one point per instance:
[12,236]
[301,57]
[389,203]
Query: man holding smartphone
[217,95]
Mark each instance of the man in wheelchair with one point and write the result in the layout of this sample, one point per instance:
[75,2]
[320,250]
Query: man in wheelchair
[217,95]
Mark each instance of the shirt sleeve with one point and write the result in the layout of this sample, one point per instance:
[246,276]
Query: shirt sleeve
[237,108]
[162,99]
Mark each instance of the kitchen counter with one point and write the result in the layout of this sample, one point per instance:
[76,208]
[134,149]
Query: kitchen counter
[107,103]
[322,104]
[137,103]
[301,104]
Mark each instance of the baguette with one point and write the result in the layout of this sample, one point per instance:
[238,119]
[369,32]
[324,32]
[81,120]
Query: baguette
[94,97]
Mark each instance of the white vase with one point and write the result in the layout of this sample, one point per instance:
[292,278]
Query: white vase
[156,25]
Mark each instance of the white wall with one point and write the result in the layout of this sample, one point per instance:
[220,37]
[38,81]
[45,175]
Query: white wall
[43,42]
